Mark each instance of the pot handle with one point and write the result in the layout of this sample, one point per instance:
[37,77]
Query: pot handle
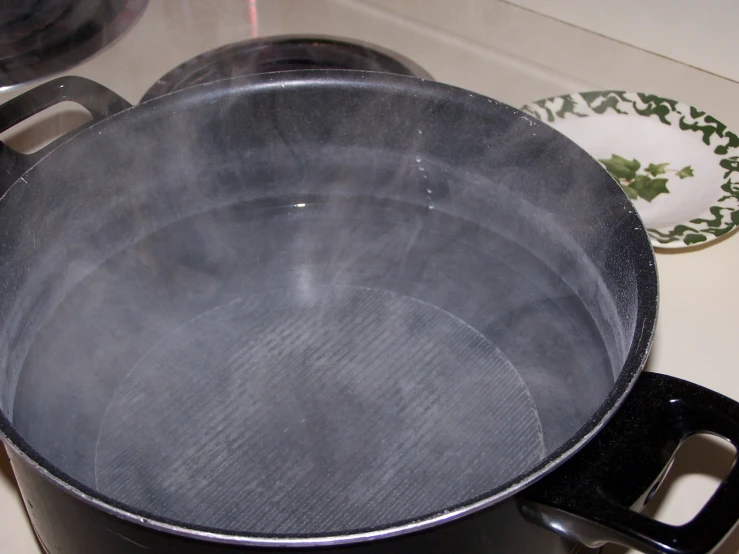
[100,101]
[590,498]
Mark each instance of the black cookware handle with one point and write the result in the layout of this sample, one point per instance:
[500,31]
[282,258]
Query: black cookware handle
[593,497]
[97,99]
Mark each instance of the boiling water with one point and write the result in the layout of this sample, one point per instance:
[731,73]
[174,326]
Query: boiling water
[309,365]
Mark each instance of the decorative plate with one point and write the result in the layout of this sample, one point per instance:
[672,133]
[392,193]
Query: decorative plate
[678,165]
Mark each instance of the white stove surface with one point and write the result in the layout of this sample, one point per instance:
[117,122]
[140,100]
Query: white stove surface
[516,55]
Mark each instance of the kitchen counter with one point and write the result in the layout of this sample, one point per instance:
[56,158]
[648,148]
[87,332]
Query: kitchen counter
[508,52]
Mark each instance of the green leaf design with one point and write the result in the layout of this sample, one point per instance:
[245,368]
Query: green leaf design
[657,169]
[695,113]
[686,171]
[630,192]
[730,165]
[602,101]
[641,182]
[656,105]
[717,219]
[568,106]
[645,185]
[723,216]
[648,188]
[651,188]
[733,142]
[621,168]
[694,239]
[673,235]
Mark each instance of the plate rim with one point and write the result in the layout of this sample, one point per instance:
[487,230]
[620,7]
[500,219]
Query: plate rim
[713,223]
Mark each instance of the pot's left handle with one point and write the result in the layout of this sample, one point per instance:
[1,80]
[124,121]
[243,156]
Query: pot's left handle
[100,101]
[590,497]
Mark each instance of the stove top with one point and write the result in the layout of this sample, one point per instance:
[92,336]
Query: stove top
[516,51]
[44,37]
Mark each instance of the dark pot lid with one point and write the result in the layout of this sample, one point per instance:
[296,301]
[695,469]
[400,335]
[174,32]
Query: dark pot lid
[282,53]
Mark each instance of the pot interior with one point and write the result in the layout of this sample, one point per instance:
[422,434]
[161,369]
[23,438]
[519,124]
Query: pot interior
[336,305]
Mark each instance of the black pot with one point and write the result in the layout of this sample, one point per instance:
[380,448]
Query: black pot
[160,256]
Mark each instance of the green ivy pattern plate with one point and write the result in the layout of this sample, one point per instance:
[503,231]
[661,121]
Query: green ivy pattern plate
[677,164]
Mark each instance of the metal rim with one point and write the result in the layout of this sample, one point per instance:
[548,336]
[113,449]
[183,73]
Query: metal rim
[645,322]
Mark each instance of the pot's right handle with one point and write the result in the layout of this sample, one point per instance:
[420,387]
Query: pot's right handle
[589,498]
[100,101]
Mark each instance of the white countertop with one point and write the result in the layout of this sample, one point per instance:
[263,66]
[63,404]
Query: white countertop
[507,52]
[700,34]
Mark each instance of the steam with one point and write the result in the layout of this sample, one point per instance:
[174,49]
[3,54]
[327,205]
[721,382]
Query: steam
[274,189]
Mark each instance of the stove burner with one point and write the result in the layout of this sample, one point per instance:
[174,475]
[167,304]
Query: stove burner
[43,37]
[282,53]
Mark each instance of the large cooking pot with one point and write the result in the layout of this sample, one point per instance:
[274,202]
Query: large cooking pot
[333,311]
